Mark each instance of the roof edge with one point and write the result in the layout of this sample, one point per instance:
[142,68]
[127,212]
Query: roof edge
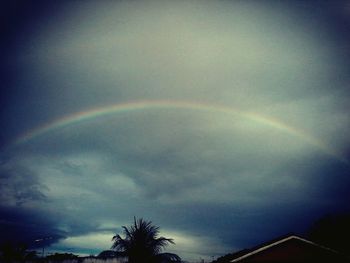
[258,250]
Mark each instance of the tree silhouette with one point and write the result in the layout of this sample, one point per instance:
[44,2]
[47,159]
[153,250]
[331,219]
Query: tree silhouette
[15,252]
[142,244]
[110,254]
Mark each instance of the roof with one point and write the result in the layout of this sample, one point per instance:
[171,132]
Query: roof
[280,241]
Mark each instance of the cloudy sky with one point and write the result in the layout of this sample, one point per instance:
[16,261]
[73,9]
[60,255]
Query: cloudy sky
[226,123]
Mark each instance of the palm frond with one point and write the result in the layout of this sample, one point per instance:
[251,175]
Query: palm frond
[141,243]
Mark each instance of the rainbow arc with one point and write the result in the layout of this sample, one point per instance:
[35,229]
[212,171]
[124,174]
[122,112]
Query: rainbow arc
[120,108]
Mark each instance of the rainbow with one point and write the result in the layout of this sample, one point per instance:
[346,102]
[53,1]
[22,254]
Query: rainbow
[120,108]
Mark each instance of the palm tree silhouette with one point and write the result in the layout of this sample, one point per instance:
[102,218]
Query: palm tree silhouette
[142,244]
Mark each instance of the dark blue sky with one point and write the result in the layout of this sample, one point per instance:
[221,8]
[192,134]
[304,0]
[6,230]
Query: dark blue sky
[225,123]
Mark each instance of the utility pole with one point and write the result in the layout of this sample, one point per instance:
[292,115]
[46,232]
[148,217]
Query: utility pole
[43,244]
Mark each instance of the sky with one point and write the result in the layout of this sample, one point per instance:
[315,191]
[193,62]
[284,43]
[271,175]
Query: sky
[226,123]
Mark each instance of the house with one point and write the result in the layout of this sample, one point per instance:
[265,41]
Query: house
[290,249]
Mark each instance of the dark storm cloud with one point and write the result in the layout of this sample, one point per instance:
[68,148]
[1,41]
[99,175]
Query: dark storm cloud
[21,216]
[19,21]
[19,186]
[33,228]
[28,214]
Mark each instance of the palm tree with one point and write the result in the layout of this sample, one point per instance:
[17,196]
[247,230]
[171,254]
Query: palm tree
[142,244]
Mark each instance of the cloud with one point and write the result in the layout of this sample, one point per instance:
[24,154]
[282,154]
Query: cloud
[19,186]
[28,225]
[215,182]
[94,241]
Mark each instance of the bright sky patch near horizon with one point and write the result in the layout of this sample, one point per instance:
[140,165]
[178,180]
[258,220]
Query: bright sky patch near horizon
[225,123]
